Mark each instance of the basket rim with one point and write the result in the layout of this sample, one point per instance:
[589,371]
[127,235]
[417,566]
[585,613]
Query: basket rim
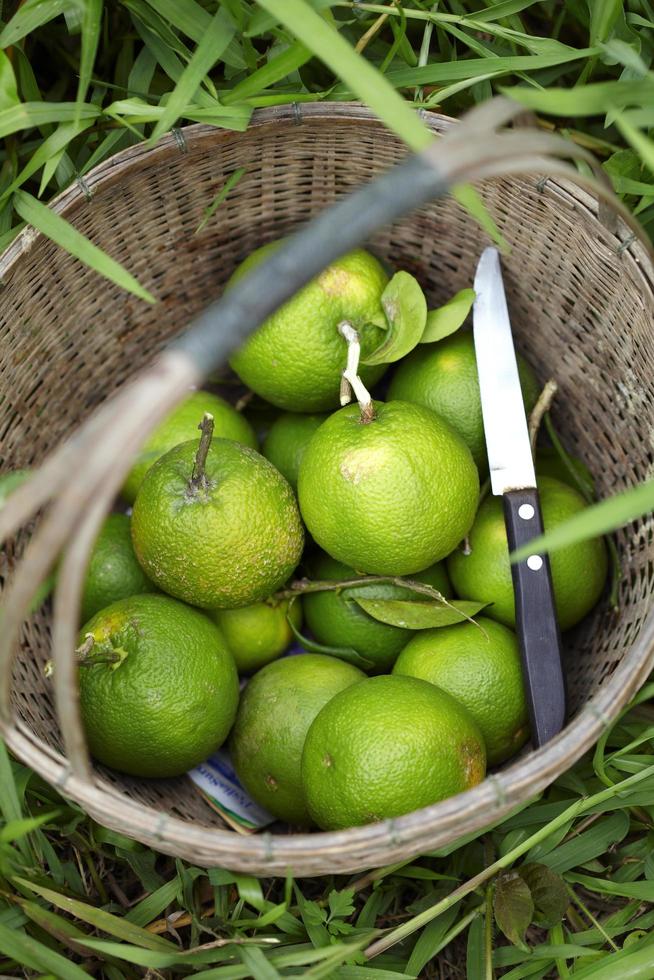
[357,848]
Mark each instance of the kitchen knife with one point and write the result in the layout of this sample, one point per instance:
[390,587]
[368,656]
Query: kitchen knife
[513,478]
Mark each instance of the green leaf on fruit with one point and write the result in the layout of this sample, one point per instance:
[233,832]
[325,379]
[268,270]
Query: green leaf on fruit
[414,614]
[548,892]
[349,654]
[448,318]
[513,907]
[405,307]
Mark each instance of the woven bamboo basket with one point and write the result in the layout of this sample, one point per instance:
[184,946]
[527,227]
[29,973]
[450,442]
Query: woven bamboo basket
[580,288]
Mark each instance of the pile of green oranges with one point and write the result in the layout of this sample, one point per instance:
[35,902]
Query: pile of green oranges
[339,536]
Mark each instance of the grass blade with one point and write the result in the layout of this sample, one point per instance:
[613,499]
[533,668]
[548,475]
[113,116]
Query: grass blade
[363,79]
[8,86]
[99,919]
[634,964]
[27,115]
[14,830]
[29,16]
[371,87]
[186,15]
[46,150]
[10,805]
[430,941]
[91,22]
[439,72]
[584,100]
[216,38]
[643,145]
[56,228]
[26,951]
[593,522]
[273,71]
[503,9]
[222,194]
[257,963]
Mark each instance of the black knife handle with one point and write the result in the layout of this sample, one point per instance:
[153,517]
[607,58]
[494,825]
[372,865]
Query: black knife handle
[536,622]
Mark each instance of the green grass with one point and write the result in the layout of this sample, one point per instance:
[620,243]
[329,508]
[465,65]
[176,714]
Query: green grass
[570,878]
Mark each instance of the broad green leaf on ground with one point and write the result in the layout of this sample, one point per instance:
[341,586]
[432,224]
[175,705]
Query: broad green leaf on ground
[419,615]
[405,306]
[448,317]
[594,521]
[548,892]
[55,227]
[513,906]
[217,36]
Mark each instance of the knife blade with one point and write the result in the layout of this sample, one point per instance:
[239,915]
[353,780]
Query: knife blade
[513,478]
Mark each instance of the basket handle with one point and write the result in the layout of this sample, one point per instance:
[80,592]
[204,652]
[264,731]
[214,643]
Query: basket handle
[82,475]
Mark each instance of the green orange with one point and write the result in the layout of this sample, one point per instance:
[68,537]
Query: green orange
[275,713]
[479,665]
[159,689]
[296,357]
[385,747]
[287,440]
[578,570]
[336,620]
[443,377]
[391,496]
[113,572]
[182,425]
[228,542]
[258,634]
